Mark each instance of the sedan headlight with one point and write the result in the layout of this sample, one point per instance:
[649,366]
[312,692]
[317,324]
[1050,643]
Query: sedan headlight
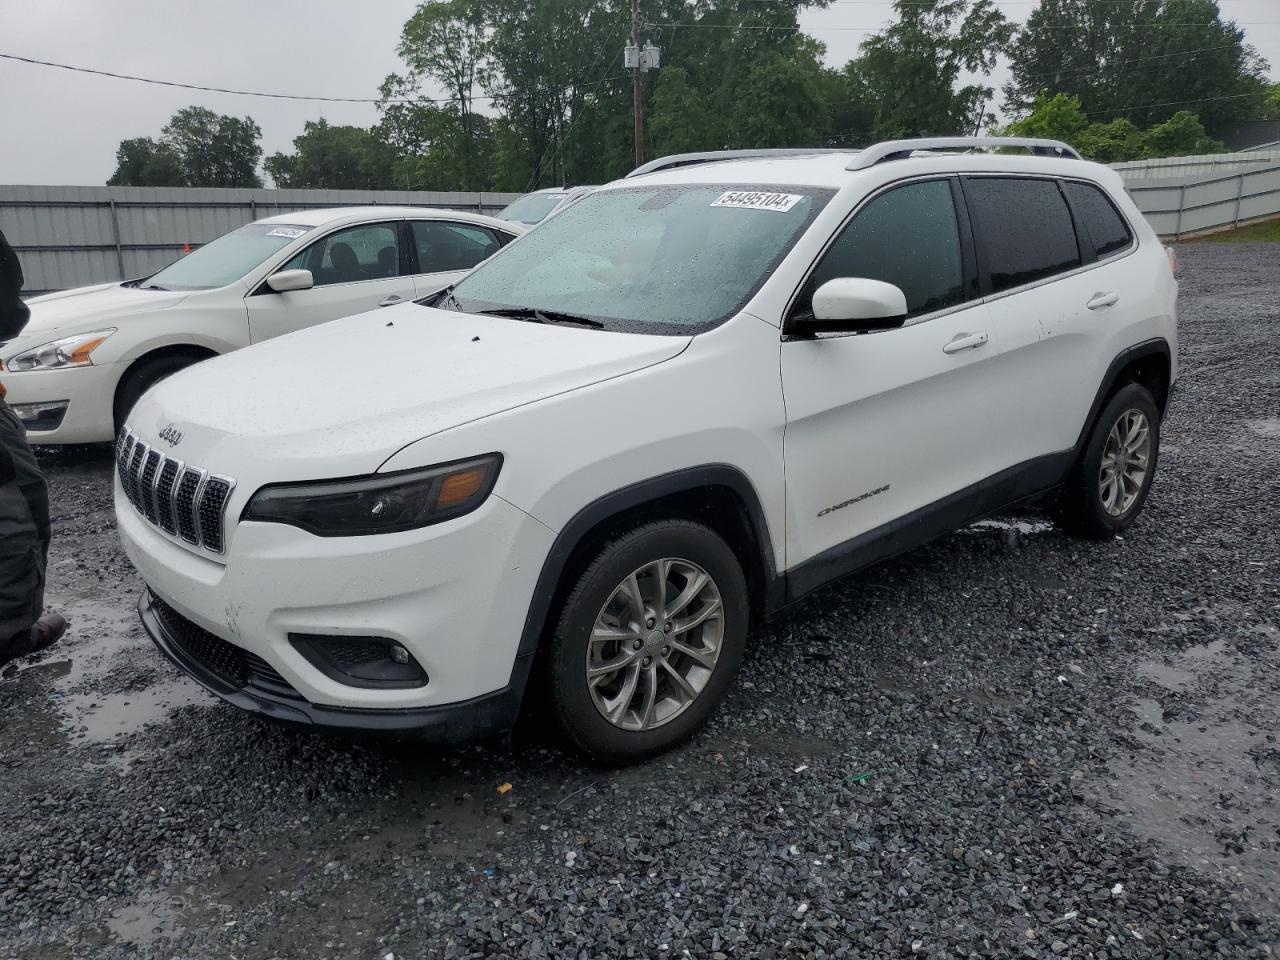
[383,503]
[67,352]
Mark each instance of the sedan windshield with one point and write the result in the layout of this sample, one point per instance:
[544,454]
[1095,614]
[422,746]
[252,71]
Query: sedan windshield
[226,259]
[655,259]
[531,208]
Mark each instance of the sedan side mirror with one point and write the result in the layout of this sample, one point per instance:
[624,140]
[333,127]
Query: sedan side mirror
[287,280]
[857,304]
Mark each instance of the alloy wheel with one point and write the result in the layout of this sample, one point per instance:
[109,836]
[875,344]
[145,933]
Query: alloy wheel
[1126,459]
[654,644]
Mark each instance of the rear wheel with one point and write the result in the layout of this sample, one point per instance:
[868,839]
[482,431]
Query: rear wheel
[648,641]
[1109,486]
[143,377]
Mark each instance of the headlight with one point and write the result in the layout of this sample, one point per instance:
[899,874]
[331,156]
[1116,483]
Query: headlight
[383,503]
[67,352]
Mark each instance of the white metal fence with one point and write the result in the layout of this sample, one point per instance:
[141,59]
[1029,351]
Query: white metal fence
[1191,196]
[75,236]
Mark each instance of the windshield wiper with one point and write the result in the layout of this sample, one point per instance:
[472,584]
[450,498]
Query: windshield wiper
[153,286]
[533,315]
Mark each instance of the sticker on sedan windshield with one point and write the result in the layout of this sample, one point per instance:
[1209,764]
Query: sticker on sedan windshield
[755,200]
[289,233]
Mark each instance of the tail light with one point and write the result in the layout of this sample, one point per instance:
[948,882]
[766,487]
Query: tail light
[1173,260]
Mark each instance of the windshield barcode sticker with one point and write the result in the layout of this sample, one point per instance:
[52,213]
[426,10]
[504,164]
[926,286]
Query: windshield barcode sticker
[290,233]
[754,200]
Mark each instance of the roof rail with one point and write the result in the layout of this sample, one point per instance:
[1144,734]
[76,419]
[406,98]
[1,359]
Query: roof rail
[901,149]
[714,156]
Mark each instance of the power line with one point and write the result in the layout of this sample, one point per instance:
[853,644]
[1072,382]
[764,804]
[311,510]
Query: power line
[799,29]
[1115,63]
[1174,103]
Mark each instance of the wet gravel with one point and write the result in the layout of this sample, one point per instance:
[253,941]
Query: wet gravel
[1010,743]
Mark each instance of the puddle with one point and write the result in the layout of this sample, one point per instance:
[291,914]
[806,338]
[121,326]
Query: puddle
[152,918]
[1024,527]
[1265,428]
[1204,772]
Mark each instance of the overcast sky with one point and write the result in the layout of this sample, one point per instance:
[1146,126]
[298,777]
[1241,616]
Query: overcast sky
[63,128]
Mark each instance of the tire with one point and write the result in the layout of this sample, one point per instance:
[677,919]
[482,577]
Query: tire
[706,654]
[1090,505]
[142,378]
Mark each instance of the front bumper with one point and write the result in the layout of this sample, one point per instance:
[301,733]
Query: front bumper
[266,693]
[88,391]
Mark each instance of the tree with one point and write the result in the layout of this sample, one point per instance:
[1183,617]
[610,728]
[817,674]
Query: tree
[334,158]
[446,43]
[141,162]
[1180,136]
[782,104]
[197,148]
[910,71]
[1060,118]
[1144,60]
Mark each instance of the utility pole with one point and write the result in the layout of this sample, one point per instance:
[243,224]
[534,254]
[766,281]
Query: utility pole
[637,82]
[638,59]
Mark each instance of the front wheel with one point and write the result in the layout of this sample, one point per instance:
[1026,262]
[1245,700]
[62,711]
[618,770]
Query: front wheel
[1109,485]
[648,641]
[142,378]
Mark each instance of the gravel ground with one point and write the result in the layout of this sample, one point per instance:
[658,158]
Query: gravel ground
[1007,744]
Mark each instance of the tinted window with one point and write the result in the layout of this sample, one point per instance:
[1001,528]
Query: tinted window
[908,237]
[451,246]
[367,252]
[1025,227]
[1104,226]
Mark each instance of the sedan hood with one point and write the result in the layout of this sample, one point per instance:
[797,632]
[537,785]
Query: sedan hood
[340,398]
[87,308]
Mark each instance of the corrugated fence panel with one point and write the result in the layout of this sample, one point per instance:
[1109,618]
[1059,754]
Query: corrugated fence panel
[75,236]
[1209,203]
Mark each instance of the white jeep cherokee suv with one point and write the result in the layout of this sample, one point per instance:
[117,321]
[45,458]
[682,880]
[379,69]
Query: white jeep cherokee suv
[689,399]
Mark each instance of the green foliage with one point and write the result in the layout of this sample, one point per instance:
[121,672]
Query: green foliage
[1271,105]
[1179,136]
[142,162]
[197,148]
[782,104]
[334,158]
[1060,118]
[1144,60]
[911,71]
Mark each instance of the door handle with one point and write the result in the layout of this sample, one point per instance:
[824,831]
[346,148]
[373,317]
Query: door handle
[1101,300]
[964,341]
[392,300]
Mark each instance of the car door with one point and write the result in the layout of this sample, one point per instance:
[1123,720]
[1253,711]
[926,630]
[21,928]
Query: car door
[1047,299]
[890,426]
[354,269]
[445,251]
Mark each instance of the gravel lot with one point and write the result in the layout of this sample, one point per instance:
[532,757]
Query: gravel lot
[1008,744]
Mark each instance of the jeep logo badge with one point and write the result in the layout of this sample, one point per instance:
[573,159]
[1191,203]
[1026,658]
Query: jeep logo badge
[171,435]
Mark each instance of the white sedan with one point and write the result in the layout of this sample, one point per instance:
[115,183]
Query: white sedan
[87,355]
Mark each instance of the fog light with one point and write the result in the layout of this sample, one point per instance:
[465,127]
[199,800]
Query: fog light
[367,662]
[42,417]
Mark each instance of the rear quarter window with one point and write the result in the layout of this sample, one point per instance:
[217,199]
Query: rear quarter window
[1098,217]
[1023,227]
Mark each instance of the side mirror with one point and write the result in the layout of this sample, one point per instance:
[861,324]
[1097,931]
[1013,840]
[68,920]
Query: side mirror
[855,304]
[287,280]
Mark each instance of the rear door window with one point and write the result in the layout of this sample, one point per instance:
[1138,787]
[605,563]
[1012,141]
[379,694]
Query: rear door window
[1099,218]
[909,237]
[444,246]
[1023,227]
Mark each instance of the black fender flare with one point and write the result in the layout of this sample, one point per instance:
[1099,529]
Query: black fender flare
[628,498]
[1157,347]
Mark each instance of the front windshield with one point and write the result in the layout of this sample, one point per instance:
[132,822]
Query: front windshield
[531,208]
[226,259]
[659,259]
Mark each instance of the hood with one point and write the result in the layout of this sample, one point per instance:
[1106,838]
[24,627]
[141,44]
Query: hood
[340,398]
[87,308]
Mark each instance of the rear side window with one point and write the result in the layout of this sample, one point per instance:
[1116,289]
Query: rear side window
[1098,216]
[908,237]
[1024,227]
